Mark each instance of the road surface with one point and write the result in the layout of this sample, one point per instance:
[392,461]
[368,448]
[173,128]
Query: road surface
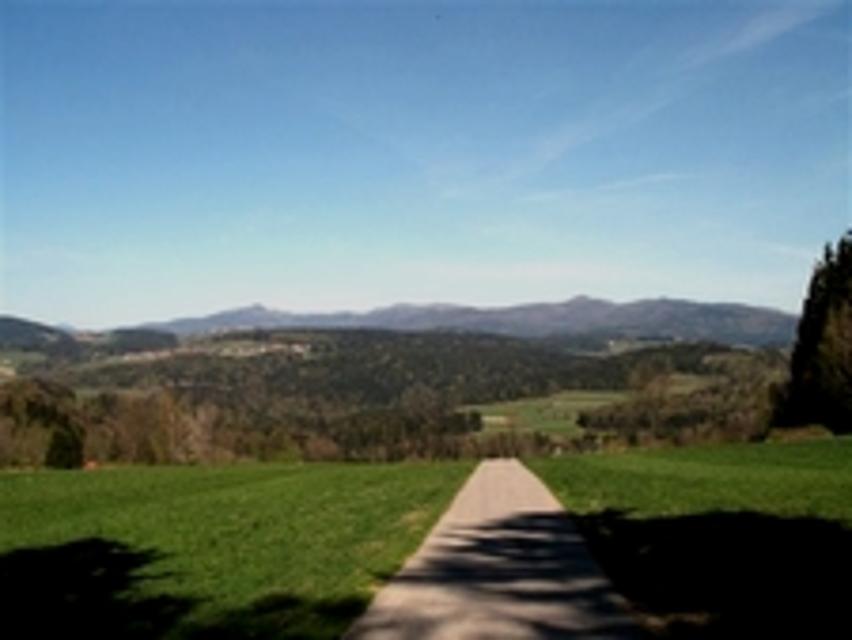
[504,561]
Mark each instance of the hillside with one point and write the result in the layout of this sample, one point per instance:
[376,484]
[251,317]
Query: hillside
[24,343]
[18,333]
[674,319]
[358,394]
[351,369]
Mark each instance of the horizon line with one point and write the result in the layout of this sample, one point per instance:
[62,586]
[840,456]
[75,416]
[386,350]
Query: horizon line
[65,326]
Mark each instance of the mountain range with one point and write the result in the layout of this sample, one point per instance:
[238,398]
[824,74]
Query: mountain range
[674,319]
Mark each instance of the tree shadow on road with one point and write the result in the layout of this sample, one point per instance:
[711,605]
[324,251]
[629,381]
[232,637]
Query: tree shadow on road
[531,573]
[713,575]
[724,575]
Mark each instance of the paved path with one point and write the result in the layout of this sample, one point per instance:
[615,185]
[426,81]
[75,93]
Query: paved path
[504,561]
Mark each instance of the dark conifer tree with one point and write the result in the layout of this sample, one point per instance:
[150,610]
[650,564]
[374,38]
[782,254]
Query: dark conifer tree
[820,388]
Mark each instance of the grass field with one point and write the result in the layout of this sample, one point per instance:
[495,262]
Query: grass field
[557,413]
[11,361]
[720,542]
[278,551]
[790,479]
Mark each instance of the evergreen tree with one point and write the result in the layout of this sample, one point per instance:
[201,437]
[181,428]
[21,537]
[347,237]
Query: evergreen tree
[65,450]
[820,388]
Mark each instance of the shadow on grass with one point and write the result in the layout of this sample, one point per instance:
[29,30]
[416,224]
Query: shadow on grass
[714,575]
[282,617]
[100,589]
[725,575]
[84,589]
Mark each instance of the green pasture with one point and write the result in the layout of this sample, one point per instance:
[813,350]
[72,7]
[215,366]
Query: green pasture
[266,551]
[556,413]
[787,479]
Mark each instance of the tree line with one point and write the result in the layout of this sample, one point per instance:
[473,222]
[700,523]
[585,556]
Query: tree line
[759,390]
[354,395]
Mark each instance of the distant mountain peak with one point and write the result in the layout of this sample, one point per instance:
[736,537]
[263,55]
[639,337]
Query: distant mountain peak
[585,299]
[256,307]
[680,319]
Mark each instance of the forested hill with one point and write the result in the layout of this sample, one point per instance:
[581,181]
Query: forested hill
[674,319]
[18,333]
[337,370]
[320,394]
[25,335]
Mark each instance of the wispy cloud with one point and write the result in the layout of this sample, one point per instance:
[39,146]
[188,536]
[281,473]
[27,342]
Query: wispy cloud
[750,242]
[803,254]
[609,115]
[642,181]
[554,144]
[623,184]
[453,167]
[759,30]
[613,116]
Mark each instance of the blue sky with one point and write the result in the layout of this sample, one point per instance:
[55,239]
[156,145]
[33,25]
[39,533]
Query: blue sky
[164,159]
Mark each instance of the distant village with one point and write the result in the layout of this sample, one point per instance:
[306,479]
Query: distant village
[223,350]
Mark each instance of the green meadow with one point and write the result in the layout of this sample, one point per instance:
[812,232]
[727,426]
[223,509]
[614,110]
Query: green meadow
[248,551]
[556,414]
[809,479]
[728,541]
[284,551]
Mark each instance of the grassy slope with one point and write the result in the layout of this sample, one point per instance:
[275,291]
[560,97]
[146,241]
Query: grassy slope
[557,413]
[285,551]
[793,479]
[720,542]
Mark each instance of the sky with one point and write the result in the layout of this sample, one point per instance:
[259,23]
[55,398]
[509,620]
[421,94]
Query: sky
[163,159]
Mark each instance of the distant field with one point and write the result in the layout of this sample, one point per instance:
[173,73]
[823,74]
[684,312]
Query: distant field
[11,361]
[720,542]
[685,383]
[278,551]
[557,413]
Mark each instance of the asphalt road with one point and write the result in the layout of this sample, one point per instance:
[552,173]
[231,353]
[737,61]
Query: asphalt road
[504,561]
